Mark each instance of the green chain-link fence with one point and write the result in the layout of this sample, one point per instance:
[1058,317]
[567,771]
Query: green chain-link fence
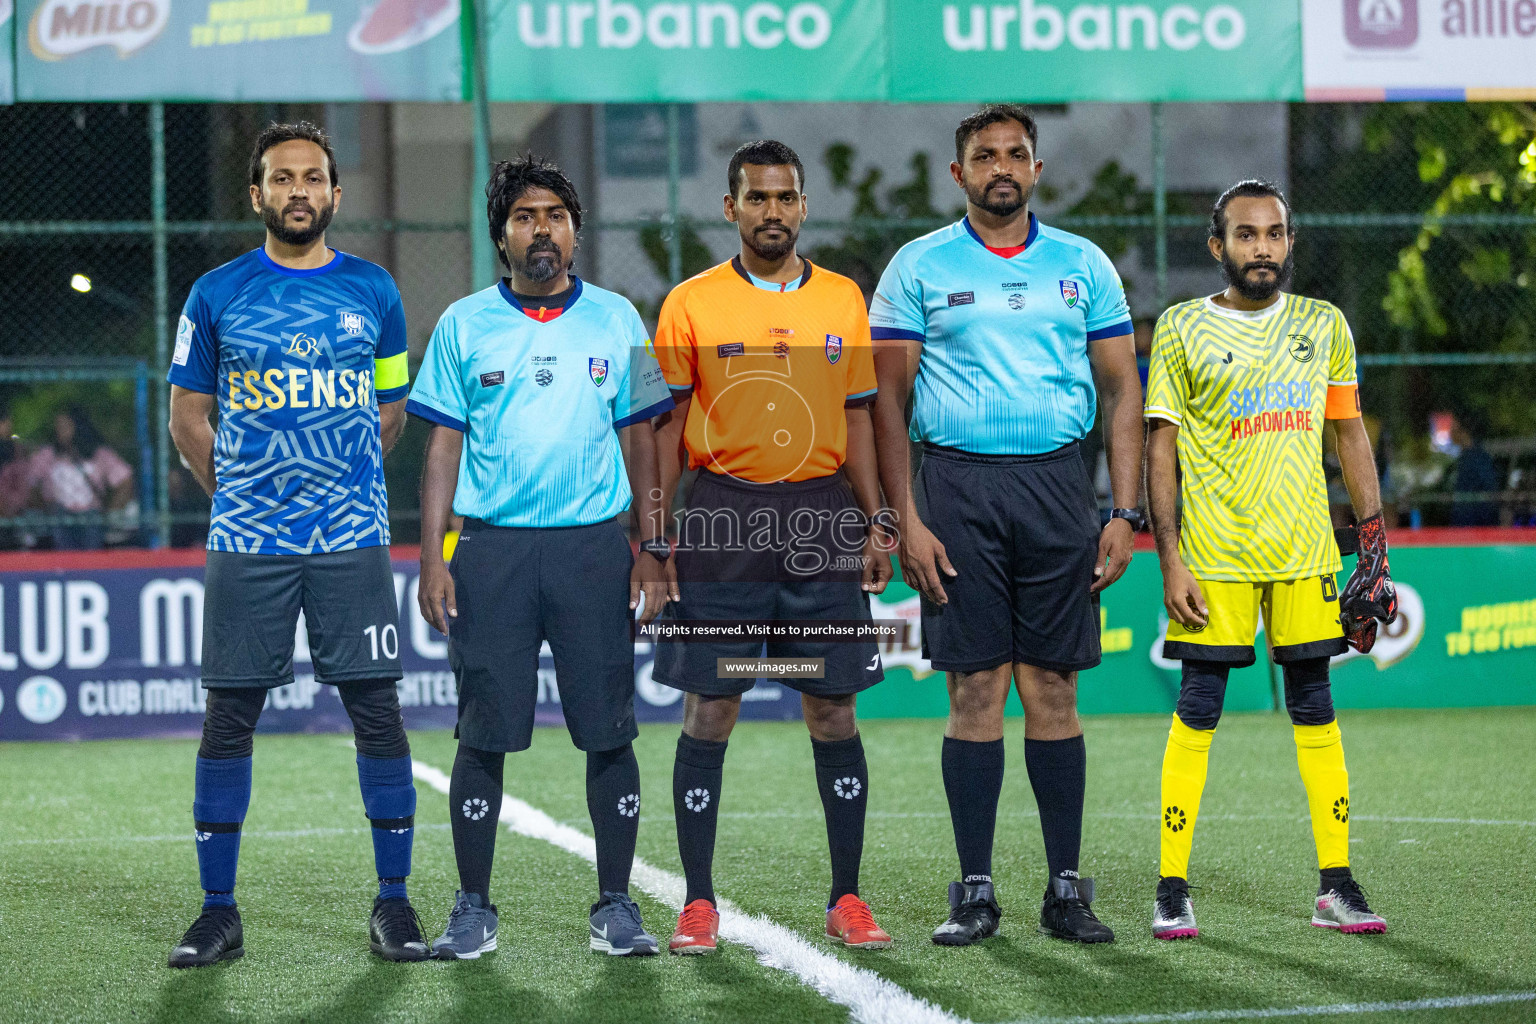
[1419,220]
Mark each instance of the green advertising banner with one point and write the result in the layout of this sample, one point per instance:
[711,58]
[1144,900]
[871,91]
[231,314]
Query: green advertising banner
[1069,51]
[1465,636]
[7,62]
[618,51]
[233,50]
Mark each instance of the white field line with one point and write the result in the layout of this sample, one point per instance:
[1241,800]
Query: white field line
[181,837]
[1277,1012]
[870,999]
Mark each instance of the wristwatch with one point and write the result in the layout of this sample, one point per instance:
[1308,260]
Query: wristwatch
[1135,516]
[657,547]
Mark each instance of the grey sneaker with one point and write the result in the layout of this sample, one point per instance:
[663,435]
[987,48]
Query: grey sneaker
[1341,905]
[616,927]
[1173,913]
[471,929]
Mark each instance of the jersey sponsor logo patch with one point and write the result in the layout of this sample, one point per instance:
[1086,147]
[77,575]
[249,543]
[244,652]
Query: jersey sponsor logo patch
[495,377]
[961,298]
[543,378]
[726,351]
[352,323]
[184,331]
[1301,348]
[598,368]
[302,345]
[1069,293]
[1016,300]
[834,348]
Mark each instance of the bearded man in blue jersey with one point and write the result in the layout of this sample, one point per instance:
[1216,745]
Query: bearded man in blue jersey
[540,391]
[1006,333]
[302,349]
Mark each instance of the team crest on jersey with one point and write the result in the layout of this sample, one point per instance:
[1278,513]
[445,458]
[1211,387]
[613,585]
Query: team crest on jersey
[1301,347]
[352,323]
[834,348]
[598,368]
[1069,293]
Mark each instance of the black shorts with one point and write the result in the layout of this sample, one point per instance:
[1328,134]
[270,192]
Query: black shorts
[517,588]
[1022,531]
[251,607]
[728,569]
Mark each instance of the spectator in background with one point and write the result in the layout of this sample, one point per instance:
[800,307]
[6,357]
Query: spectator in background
[15,480]
[1474,473]
[79,473]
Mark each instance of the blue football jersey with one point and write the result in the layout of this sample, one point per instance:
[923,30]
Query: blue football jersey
[299,360]
[1004,369]
[538,402]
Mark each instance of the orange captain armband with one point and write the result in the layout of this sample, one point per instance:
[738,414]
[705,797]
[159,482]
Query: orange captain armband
[1343,402]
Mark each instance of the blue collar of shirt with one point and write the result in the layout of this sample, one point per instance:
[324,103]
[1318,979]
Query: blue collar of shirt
[278,268]
[513,301]
[1029,239]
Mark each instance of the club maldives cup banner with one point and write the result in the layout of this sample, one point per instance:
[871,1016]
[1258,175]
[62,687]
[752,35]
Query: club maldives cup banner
[335,50]
[1362,50]
[101,647]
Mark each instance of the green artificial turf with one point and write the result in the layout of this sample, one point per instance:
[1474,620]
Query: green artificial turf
[98,878]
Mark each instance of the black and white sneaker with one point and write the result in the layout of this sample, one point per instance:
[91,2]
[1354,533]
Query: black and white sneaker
[394,931]
[973,915]
[1066,913]
[215,935]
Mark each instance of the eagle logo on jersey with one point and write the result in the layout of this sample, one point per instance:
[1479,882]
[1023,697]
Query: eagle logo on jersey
[598,368]
[834,348]
[1069,293]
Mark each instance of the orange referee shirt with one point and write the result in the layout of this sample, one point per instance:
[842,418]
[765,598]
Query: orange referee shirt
[770,372]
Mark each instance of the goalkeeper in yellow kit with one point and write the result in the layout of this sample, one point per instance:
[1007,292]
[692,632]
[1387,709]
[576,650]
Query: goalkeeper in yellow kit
[1240,387]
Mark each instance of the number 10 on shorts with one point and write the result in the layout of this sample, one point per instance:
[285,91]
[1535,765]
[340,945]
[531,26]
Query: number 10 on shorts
[388,638]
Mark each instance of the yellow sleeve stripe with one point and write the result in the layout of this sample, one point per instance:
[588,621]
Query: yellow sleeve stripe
[391,372]
[1158,412]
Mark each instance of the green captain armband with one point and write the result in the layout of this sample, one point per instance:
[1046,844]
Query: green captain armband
[390,373]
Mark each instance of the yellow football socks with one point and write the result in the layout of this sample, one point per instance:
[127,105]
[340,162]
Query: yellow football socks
[1184,765]
[1320,756]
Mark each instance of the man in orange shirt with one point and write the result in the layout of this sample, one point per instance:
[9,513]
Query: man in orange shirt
[770,366]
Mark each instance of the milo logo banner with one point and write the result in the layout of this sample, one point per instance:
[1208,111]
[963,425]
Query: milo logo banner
[237,49]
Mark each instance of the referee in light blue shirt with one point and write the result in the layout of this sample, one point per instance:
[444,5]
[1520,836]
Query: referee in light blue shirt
[540,391]
[1006,333]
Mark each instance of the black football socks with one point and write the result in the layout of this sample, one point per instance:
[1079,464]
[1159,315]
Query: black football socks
[1058,773]
[474,807]
[613,801]
[973,781]
[696,804]
[842,776]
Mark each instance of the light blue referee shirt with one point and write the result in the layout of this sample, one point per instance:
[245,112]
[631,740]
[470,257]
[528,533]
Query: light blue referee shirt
[538,403]
[1004,369]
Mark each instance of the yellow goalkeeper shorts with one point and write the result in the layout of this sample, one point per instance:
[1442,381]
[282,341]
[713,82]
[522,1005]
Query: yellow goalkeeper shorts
[1300,616]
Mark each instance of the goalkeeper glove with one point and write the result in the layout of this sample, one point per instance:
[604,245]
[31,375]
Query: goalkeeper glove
[1369,595]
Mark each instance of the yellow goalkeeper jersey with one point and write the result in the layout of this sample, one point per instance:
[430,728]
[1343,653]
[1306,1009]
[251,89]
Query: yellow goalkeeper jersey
[1250,392]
